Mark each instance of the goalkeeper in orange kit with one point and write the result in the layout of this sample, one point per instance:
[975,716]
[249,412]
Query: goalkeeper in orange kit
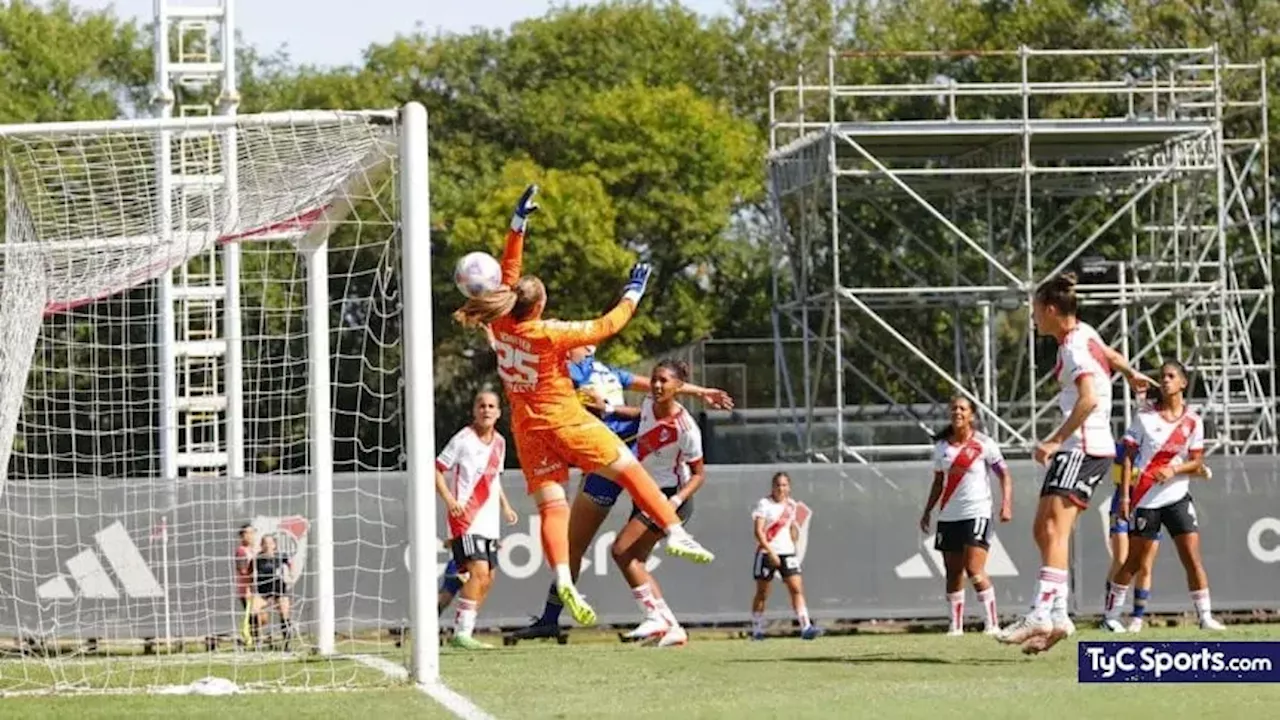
[551,428]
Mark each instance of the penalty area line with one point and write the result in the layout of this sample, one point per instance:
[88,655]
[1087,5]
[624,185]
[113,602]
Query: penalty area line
[452,701]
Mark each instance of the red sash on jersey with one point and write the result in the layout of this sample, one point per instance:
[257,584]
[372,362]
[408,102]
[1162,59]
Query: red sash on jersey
[968,454]
[658,437]
[458,526]
[1167,452]
[784,521]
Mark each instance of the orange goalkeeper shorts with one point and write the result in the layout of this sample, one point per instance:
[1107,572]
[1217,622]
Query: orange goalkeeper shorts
[546,455]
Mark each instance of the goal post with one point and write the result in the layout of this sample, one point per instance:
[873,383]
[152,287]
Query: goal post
[108,548]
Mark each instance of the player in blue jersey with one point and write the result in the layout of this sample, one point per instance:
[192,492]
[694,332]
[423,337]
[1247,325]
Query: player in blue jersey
[601,389]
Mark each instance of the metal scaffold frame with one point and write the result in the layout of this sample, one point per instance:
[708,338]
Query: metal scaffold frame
[1168,221]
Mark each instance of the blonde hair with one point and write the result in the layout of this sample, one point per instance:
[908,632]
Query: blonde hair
[519,302]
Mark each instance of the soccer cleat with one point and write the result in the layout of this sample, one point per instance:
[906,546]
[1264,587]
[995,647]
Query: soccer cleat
[466,642]
[1031,625]
[537,631]
[811,632]
[675,637]
[955,632]
[653,627]
[992,630]
[1062,628]
[686,547]
[1135,625]
[577,605]
[1111,625]
[1208,622]
[757,635]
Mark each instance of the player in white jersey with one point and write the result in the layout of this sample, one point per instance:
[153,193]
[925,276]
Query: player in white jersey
[474,458]
[962,460]
[777,526]
[1168,441]
[669,445]
[1079,454]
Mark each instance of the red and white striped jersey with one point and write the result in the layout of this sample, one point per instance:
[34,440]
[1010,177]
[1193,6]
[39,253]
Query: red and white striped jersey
[1161,442]
[475,467]
[1081,354]
[778,519]
[666,447]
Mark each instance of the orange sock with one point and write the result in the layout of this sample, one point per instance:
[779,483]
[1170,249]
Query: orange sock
[644,491]
[555,532]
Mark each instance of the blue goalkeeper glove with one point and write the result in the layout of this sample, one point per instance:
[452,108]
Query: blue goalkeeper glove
[638,281]
[524,208]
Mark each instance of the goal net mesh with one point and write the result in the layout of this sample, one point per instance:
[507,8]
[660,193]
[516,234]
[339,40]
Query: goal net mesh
[113,576]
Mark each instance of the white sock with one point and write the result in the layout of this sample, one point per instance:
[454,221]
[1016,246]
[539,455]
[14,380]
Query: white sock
[757,622]
[802,614]
[1200,598]
[955,603]
[1051,590]
[563,576]
[987,598]
[644,598]
[676,531]
[1115,600]
[464,622]
[664,611]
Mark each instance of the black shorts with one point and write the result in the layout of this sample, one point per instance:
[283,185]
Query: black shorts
[762,569]
[956,535]
[684,512]
[1179,518]
[272,589]
[1075,476]
[474,547]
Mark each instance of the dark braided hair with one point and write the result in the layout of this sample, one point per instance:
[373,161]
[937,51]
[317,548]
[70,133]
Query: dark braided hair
[678,367]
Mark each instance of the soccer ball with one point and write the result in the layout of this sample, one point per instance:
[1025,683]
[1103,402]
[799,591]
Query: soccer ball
[477,273]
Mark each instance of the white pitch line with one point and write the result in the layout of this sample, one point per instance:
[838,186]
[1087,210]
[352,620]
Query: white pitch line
[452,701]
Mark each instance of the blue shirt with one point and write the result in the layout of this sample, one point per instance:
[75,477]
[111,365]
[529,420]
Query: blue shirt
[610,383]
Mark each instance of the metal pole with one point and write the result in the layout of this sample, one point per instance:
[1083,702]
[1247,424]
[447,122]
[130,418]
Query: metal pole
[163,100]
[415,220]
[231,317]
[835,256]
[1224,347]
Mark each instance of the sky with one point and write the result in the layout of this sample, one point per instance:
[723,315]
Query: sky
[334,32]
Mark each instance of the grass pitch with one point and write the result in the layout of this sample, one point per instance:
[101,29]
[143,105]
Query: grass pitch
[856,676]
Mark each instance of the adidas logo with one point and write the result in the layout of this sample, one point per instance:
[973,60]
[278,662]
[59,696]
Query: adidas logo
[999,564]
[92,580]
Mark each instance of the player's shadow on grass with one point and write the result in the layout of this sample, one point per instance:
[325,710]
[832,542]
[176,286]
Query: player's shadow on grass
[879,658]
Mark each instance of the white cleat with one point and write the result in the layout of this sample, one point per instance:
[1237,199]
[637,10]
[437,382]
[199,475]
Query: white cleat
[992,630]
[955,632]
[1208,622]
[1135,625]
[1112,625]
[686,547]
[1031,625]
[650,629]
[1063,628]
[675,637]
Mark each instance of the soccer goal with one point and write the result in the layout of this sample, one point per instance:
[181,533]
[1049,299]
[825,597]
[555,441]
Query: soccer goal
[312,343]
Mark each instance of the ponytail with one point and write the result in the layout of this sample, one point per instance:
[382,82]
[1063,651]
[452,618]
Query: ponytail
[484,309]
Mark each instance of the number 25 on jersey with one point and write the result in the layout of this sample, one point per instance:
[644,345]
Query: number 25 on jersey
[518,369]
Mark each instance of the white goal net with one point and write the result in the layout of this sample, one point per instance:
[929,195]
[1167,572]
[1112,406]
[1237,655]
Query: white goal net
[140,430]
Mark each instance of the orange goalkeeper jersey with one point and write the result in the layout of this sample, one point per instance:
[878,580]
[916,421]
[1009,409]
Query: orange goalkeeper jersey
[531,356]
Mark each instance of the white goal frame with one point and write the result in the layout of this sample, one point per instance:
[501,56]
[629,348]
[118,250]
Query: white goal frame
[413,190]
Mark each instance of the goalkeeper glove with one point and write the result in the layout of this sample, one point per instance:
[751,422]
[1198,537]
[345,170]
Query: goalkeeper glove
[637,282]
[524,208]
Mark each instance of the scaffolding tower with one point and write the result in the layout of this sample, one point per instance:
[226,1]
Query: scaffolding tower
[202,427]
[976,177]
